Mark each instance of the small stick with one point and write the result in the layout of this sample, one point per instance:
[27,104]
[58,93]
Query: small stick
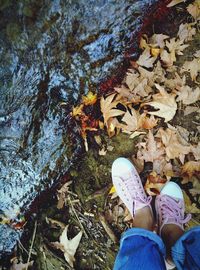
[74,211]
[107,228]
[31,247]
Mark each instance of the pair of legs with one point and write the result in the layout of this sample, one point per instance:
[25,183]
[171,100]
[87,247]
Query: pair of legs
[140,248]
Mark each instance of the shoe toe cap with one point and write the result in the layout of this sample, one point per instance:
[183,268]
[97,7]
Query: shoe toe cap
[121,165]
[173,190]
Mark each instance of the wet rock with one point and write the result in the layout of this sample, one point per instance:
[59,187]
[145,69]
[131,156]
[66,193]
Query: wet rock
[64,49]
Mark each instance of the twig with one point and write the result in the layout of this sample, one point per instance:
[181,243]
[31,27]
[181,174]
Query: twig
[31,247]
[107,228]
[74,211]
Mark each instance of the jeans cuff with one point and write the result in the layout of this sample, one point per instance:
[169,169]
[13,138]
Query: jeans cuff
[142,232]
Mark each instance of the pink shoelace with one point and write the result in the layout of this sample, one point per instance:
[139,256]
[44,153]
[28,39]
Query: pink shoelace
[136,190]
[171,210]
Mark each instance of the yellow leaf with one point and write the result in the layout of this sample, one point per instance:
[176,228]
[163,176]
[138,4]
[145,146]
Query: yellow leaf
[191,167]
[78,110]
[155,51]
[89,99]
[112,190]
[108,108]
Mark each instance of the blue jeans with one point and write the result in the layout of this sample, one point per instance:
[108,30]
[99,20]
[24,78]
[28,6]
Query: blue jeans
[145,250]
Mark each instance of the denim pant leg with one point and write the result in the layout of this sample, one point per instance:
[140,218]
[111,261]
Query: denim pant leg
[186,251]
[140,250]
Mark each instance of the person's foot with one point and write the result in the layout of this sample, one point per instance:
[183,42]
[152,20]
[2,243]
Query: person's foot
[128,185]
[170,207]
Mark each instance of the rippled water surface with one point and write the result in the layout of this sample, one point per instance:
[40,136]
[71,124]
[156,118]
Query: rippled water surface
[50,52]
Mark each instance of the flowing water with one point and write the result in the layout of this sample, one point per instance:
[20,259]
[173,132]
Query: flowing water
[51,52]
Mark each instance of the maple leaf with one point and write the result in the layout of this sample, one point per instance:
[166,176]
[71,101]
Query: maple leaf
[176,46]
[145,59]
[131,120]
[68,247]
[108,108]
[149,151]
[193,67]
[194,10]
[165,103]
[187,95]
[186,32]
[175,2]
[147,122]
[158,40]
[89,99]
[174,146]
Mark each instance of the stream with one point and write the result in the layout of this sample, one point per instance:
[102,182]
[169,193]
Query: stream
[51,52]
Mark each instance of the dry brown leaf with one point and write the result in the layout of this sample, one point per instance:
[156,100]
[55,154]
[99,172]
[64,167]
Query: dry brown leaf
[186,32]
[158,40]
[61,194]
[196,151]
[147,122]
[175,2]
[194,10]
[145,59]
[191,167]
[176,46]
[187,95]
[190,109]
[165,103]
[193,67]
[154,184]
[131,120]
[189,206]
[108,110]
[174,147]
[149,151]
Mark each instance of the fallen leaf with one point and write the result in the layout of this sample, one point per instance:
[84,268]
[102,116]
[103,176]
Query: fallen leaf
[131,120]
[89,99]
[154,184]
[189,206]
[165,103]
[78,110]
[147,122]
[194,10]
[186,32]
[136,134]
[68,247]
[196,151]
[187,95]
[112,190]
[191,167]
[103,151]
[174,148]
[108,108]
[175,2]
[158,40]
[21,266]
[149,151]
[146,60]
[176,46]
[193,67]
[190,109]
